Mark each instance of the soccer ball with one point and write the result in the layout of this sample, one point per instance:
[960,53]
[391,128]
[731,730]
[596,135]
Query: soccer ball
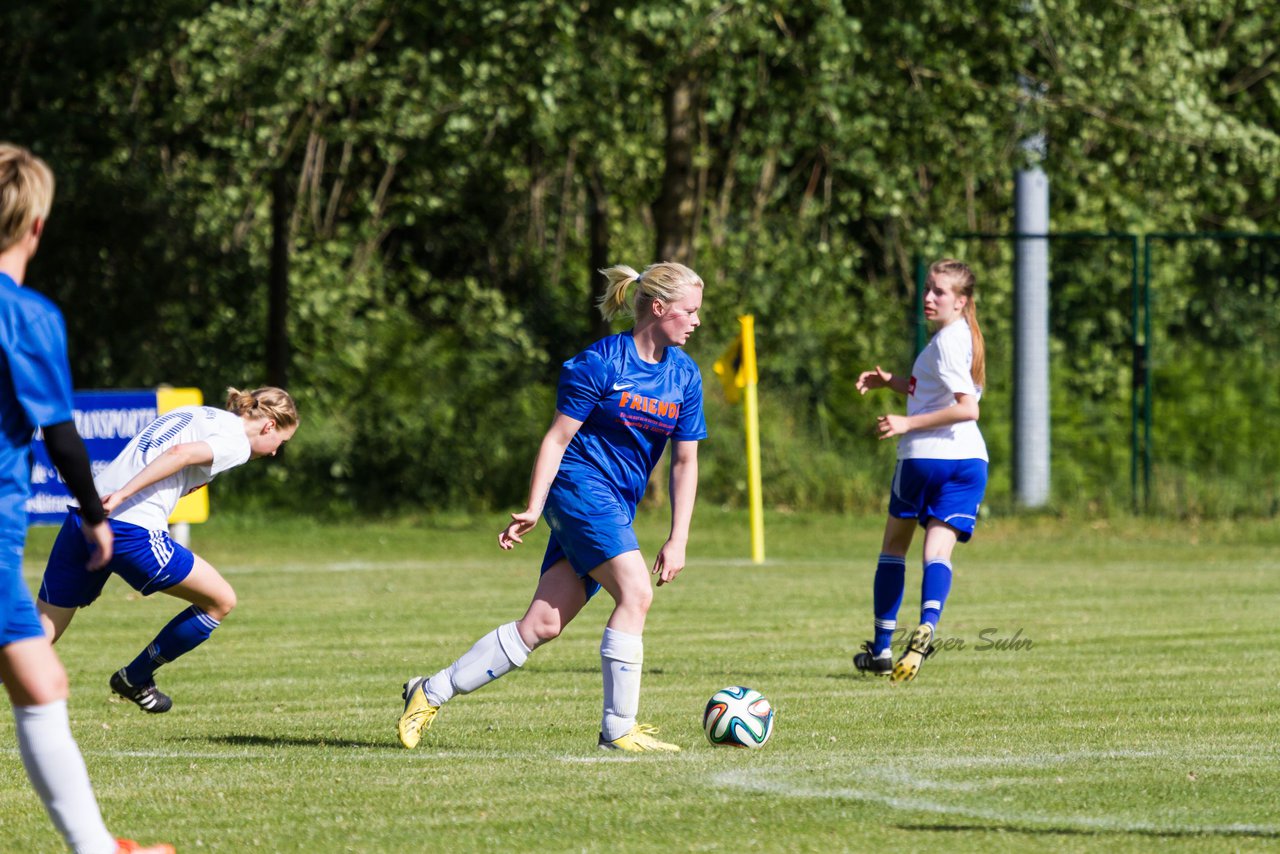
[738,717]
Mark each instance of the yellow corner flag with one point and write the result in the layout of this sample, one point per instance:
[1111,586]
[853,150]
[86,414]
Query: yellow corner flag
[736,368]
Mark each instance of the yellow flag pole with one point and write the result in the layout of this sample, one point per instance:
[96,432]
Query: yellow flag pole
[751,411]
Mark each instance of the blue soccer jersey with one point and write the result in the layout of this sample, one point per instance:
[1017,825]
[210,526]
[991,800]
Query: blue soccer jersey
[35,391]
[629,408]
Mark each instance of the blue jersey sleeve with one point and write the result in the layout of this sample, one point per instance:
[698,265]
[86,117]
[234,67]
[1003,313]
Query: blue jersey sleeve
[41,372]
[691,426]
[584,381]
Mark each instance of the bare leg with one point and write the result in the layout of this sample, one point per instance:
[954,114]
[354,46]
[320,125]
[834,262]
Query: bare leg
[54,619]
[559,597]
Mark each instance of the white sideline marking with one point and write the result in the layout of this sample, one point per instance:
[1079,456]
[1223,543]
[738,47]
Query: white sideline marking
[755,781]
[358,755]
[418,565]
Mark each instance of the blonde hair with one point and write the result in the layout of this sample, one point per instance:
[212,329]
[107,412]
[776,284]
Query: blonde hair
[266,402]
[666,281]
[26,192]
[962,282]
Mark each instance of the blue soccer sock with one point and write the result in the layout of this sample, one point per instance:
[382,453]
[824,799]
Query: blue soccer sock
[934,589]
[891,581]
[184,633]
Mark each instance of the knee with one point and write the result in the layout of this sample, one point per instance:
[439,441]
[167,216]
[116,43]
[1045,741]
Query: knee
[637,599]
[56,685]
[543,628]
[223,605]
[38,685]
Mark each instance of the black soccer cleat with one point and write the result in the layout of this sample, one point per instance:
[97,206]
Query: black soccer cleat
[147,697]
[867,662]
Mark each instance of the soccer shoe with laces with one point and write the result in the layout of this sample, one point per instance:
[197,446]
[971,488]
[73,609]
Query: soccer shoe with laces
[919,648]
[418,713]
[868,662]
[639,739]
[147,697]
[128,846]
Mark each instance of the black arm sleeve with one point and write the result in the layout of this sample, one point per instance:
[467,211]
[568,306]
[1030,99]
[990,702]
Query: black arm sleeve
[67,452]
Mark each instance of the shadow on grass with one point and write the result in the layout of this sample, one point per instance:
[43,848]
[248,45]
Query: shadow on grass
[1187,833]
[296,741]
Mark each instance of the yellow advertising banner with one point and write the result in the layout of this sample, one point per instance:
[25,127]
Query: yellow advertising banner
[194,507]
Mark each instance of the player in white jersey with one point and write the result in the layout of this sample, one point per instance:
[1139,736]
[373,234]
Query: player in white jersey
[941,473]
[177,453]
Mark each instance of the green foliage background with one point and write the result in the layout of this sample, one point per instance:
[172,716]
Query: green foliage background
[442,160]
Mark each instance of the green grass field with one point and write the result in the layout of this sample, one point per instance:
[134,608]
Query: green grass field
[1142,713]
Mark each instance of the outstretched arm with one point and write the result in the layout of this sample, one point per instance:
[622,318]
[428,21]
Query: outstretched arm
[684,489]
[545,467]
[879,378]
[171,462]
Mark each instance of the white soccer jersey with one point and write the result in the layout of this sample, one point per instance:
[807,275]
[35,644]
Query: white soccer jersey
[150,508]
[942,370]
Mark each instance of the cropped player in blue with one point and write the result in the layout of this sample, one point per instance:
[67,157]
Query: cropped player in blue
[618,404]
[941,474]
[177,453]
[35,392]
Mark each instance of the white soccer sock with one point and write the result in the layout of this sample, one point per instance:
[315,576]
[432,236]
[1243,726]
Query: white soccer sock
[57,772]
[491,657]
[621,660]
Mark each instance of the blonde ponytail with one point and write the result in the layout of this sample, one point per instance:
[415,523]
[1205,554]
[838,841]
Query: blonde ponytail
[666,281]
[267,402]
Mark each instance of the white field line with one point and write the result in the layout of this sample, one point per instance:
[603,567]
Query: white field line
[357,755]
[756,781]
[419,565]
[916,783]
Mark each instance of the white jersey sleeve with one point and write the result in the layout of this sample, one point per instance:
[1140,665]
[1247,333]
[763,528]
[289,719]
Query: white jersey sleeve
[151,507]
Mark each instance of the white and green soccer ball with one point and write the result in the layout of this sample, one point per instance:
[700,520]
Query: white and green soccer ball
[738,717]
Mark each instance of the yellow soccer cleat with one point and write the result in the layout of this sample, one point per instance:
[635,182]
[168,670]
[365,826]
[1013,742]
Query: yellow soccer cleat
[919,648]
[418,713]
[639,739]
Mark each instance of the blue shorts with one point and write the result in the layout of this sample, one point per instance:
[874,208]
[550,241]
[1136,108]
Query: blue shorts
[147,560]
[947,490]
[19,619]
[588,526]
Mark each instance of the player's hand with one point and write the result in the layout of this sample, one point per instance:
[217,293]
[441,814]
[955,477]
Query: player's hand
[669,562]
[891,425]
[868,380]
[111,502]
[521,524]
[101,544]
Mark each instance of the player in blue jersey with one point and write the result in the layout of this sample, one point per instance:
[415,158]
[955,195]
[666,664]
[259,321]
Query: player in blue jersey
[177,453]
[35,392]
[941,474]
[618,403]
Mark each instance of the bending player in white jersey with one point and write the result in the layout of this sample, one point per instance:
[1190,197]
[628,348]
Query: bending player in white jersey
[941,474]
[179,452]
